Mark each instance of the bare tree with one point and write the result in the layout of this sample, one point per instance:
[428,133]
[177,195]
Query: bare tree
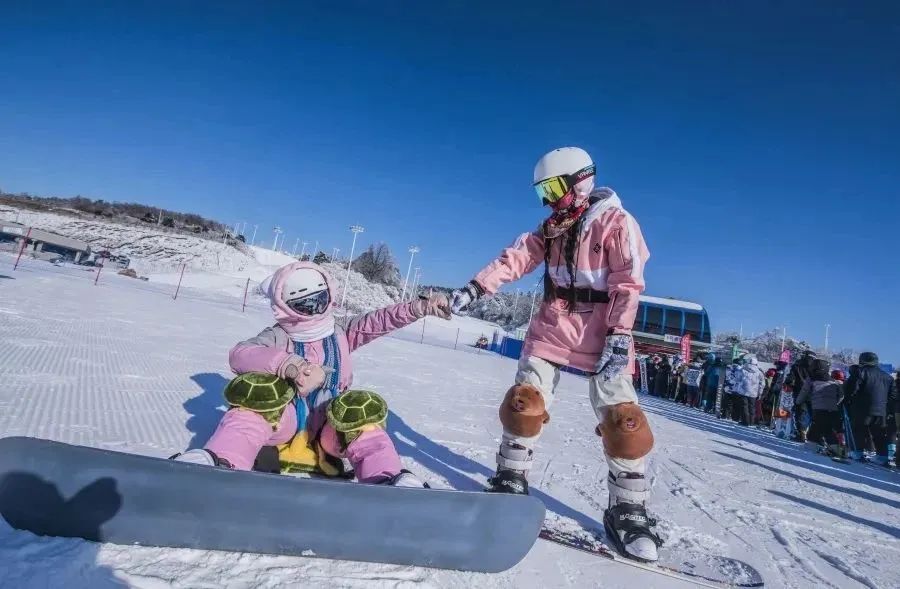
[377,264]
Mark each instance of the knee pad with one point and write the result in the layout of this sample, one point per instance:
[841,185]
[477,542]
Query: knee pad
[523,412]
[625,432]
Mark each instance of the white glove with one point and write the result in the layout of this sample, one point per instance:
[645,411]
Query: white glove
[615,356]
[462,298]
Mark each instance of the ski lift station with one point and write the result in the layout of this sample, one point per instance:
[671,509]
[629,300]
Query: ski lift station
[42,244]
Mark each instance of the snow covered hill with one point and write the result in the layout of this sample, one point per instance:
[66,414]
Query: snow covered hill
[122,366]
[210,265]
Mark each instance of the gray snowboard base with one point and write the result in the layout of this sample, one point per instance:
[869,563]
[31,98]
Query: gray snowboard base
[55,489]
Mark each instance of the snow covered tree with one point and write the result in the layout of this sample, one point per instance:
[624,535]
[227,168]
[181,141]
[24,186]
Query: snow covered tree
[377,264]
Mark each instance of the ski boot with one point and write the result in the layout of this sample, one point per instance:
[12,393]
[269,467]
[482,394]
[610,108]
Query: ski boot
[508,481]
[626,521]
[405,478]
[201,456]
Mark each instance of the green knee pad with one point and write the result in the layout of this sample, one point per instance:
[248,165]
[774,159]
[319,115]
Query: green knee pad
[265,394]
[351,413]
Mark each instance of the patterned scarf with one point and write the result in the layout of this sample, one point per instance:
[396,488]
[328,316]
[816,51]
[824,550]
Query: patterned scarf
[312,408]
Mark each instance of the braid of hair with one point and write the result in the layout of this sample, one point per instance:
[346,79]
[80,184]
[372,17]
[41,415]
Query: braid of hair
[549,286]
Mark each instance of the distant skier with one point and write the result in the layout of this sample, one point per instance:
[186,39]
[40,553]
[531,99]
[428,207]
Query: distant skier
[750,386]
[594,256]
[798,375]
[824,394]
[870,395]
[307,348]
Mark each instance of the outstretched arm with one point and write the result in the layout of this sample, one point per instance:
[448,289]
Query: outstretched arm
[369,327]
[514,262]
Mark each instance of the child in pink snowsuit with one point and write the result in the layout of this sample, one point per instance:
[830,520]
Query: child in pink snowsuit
[309,350]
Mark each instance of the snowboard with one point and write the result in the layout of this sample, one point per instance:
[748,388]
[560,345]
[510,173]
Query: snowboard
[711,571]
[784,415]
[55,489]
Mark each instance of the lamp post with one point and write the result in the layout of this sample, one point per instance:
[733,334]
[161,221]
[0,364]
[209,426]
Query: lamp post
[412,253]
[303,251]
[253,241]
[827,330]
[334,252]
[356,229]
[277,231]
[533,298]
[296,243]
[416,276]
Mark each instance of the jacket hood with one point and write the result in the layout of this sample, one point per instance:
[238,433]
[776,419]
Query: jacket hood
[297,325]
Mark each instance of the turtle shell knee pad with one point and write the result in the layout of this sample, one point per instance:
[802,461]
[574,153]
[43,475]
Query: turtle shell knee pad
[523,412]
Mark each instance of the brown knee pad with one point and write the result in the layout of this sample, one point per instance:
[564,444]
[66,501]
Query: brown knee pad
[626,432]
[523,412]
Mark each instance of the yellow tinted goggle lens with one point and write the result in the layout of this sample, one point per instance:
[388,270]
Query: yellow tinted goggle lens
[551,189]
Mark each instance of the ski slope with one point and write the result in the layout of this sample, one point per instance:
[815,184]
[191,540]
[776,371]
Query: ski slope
[123,366]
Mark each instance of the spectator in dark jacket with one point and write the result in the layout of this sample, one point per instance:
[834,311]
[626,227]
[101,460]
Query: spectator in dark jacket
[798,375]
[663,373]
[824,393]
[870,395]
[710,383]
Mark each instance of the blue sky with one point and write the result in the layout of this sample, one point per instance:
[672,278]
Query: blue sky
[756,143]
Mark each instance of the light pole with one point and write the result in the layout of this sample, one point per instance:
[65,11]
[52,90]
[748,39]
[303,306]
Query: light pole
[315,251]
[356,229]
[516,303]
[412,253]
[303,251]
[783,337]
[334,253]
[533,298]
[253,241]
[244,228]
[277,231]
[827,330]
[296,243]
[415,286]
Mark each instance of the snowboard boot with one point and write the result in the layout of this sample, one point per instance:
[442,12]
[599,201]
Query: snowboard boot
[508,481]
[201,456]
[626,521]
[405,479]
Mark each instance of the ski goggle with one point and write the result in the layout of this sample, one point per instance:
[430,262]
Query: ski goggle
[553,189]
[312,304]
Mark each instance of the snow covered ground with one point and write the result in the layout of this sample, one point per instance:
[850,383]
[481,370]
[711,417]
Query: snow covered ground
[123,366]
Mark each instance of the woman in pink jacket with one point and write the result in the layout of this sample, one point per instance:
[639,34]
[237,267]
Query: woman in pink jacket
[593,255]
[306,348]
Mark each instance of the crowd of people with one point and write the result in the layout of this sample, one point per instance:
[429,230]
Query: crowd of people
[850,416]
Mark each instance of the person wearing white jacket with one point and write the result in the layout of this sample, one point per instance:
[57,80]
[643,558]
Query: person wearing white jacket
[751,385]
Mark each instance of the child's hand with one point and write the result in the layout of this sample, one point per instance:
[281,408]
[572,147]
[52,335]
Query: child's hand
[437,305]
[306,376]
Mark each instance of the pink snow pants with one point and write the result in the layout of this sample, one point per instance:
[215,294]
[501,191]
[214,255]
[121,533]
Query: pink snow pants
[241,435]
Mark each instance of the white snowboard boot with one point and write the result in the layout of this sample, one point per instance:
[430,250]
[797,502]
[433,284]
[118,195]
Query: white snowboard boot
[406,479]
[626,521]
[200,456]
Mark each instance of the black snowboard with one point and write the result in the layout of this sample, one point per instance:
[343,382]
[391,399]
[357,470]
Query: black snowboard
[56,489]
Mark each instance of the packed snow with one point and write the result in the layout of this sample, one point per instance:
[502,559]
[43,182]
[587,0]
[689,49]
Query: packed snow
[124,366]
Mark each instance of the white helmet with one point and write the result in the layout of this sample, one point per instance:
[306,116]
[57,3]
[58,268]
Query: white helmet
[565,161]
[751,359]
[303,282]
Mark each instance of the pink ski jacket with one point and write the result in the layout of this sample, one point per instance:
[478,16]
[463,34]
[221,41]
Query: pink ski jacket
[611,256]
